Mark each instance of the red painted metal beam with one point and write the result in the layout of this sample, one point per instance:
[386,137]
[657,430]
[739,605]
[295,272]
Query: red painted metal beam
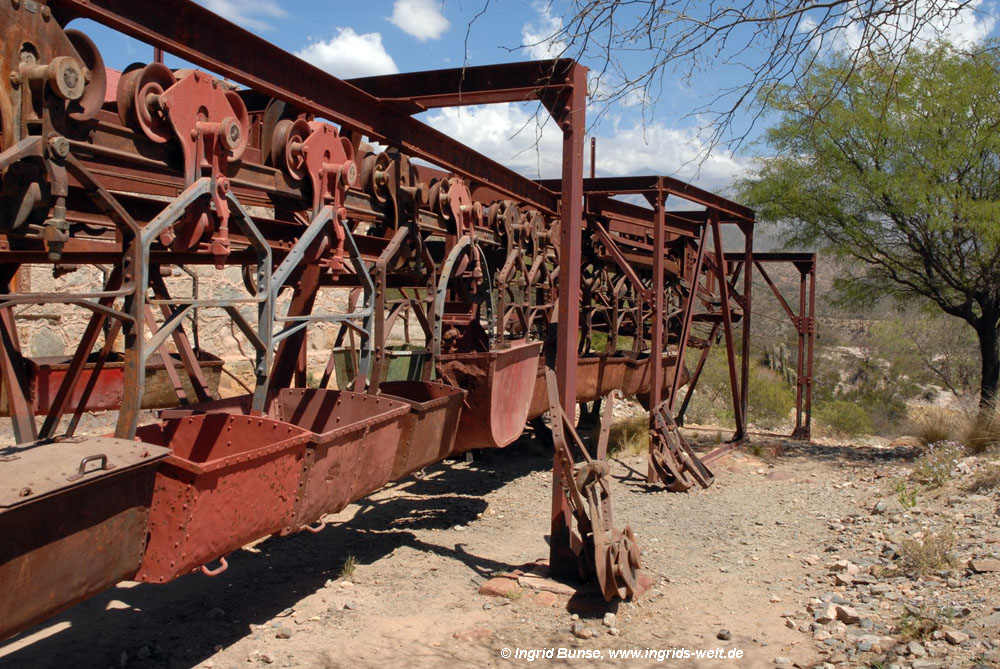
[415,92]
[670,185]
[747,303]
[196,34]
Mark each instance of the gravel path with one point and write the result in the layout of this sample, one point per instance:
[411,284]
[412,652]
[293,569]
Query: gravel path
[748,565]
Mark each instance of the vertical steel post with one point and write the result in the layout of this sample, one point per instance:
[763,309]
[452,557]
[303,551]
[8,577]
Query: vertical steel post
[800,354]
[562,560]
[656,343]
[727,325]
[807,433]
[747,304]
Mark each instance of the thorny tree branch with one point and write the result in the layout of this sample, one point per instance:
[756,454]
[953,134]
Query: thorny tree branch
[770,41]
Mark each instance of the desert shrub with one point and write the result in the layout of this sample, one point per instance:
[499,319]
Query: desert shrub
[930,553]
[843,417]
[886,409]
[919,624]
[708,409]
[770,401]
[629,435]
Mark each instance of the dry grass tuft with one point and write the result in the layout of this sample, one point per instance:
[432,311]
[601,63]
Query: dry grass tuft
[515,594]
[930,553]
[981,431]
[350,564]
[629,435]
[931,424]
[986,480]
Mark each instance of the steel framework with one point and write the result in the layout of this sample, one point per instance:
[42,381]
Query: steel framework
[531,298]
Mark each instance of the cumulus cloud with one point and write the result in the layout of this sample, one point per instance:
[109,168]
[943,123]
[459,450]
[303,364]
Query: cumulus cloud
[422,19]
[247,13]
[512,135]
[539,38]
[956,21]
[348,54]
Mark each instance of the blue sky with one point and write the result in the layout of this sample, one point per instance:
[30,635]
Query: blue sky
[383,36]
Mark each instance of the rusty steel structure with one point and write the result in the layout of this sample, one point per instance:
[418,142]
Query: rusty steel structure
[532,298]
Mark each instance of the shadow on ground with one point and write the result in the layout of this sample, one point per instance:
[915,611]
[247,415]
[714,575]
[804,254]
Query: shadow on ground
[261,584]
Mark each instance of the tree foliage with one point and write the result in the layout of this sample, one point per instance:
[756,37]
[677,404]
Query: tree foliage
[898,171]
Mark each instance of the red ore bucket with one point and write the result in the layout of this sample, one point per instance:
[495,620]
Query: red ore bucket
[428,433]
[73,517]
[229,480]
[500,384]
[352,443]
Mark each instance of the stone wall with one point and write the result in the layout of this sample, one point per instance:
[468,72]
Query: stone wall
[54,329]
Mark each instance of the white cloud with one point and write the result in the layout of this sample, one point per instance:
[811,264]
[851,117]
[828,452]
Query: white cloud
[515,137]
[507,133]
[348,54]
[663,150]
[920,23]
[539,39]
[422,19]
[245,12]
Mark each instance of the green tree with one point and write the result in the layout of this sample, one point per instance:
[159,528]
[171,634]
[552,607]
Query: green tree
[929,348]
[897,171]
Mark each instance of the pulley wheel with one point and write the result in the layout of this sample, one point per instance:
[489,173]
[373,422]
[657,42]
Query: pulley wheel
[138,91]
[92,100]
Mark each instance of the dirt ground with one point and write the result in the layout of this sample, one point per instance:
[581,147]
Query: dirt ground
[749,565]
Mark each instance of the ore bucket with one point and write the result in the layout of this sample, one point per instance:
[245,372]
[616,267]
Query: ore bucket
[73,516]
[231,479]
[429,430]
[353,439]
[500,385]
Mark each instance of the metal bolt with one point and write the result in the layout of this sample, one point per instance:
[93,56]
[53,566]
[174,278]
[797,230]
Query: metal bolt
[71,77]
[46,12]
[16,4]
[15,78]
[59,146]
[234,134]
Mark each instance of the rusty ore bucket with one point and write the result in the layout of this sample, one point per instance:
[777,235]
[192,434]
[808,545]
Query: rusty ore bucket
[230,480]
[428,434]
[598,375]
[351,452]
[73,519]
[45,375]
[353,439]
[500,385]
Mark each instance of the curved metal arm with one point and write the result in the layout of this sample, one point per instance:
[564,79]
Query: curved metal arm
[442,292]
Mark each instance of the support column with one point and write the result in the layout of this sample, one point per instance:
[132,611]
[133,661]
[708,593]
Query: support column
[562,560]
[747,307]
[656,340]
